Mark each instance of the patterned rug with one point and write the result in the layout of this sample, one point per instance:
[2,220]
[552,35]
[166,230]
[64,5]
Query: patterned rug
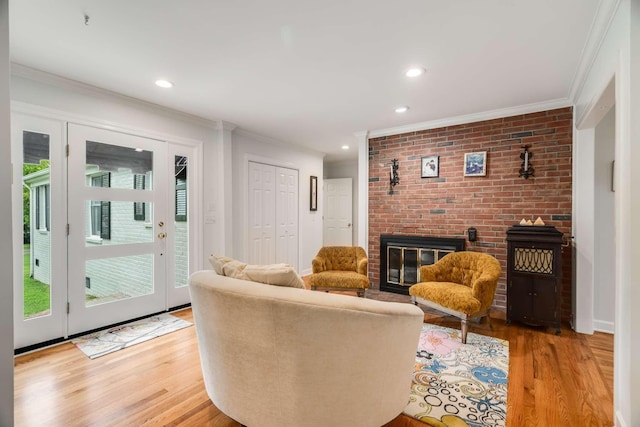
[104,342]
[457,384]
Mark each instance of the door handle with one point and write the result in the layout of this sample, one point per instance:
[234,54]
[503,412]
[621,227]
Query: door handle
[349,225]
[162,235]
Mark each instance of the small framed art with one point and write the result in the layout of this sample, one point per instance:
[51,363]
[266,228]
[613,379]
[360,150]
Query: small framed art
[313,192]
[475,164]
[430,166]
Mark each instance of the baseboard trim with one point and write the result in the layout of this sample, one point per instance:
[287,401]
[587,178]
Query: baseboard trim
[603,326]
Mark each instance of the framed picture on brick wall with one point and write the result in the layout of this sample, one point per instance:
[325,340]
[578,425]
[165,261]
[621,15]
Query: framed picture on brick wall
[430,167]
[475,164]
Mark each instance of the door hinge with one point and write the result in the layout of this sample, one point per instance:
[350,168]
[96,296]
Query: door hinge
[67,149]
[67,229]
[68,307]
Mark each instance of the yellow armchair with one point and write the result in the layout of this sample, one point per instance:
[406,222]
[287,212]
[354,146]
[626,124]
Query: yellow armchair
[461,284]
[340,268]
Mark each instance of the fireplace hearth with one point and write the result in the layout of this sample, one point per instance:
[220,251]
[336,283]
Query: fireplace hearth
[402,256]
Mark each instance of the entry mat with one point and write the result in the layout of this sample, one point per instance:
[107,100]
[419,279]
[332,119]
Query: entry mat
[113,339]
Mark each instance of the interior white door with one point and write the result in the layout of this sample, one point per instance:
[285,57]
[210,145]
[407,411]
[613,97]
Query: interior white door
[273,214]
[262,230]
[118,222]
[338,216]
[287,216]
[39,230]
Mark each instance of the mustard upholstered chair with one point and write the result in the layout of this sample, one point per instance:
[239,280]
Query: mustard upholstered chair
[342,268]
[461,284]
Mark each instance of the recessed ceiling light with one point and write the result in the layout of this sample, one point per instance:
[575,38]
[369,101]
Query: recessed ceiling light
[345,147]
[164,83]
[402,109]
[415,72]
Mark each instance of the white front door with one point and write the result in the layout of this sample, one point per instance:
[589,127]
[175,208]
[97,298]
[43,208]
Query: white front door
[114,191]
[118,220]
[338,218]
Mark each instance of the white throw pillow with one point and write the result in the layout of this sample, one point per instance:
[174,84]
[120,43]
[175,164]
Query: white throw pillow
[234,269]
[274,274]
[218,261]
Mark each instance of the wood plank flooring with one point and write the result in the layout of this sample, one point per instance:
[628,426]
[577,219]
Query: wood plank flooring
[564,380]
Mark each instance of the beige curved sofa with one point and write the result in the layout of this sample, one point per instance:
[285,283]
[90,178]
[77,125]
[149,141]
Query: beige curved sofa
[280,356]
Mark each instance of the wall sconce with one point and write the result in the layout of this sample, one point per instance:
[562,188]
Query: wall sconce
[526,170]
[394,178]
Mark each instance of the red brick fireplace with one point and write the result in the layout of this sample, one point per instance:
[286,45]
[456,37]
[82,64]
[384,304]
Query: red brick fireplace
[447,205]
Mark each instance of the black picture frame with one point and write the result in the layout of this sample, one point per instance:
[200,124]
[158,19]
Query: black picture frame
[430,167]
[313,193]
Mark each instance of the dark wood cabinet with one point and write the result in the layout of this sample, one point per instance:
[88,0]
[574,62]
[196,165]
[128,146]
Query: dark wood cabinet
[534,275]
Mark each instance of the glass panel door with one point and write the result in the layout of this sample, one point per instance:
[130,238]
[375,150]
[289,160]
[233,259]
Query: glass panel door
[117,227]
[38,230]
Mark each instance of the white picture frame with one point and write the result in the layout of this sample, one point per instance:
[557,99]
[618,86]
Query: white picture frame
[475,164]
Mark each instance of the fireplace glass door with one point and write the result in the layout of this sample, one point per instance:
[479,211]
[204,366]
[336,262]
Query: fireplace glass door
[404,263]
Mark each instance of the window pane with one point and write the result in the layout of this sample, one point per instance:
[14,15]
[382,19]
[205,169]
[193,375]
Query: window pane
[36,225]
[113,279]
[112,223]
[181,230]
[123,163]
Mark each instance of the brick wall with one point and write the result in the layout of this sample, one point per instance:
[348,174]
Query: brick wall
[449,204]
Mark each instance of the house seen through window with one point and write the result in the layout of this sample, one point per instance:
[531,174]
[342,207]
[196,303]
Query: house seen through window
[43,207]
[101,211]
[181,188]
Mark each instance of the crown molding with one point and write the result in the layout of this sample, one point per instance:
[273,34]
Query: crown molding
[269,140]
[29,73]
[475,117]
[599,27]
[226,126]
[364,134]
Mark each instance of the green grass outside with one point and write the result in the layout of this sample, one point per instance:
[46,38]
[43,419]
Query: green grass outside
[37,295]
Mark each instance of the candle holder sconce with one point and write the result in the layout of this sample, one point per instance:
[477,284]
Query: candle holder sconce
[526,170]
[393,175]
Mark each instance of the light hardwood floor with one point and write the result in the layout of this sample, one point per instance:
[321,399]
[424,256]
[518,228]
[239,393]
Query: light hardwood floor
[564,380]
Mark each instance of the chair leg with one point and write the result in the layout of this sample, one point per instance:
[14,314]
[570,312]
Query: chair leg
[361,293]
[465,328]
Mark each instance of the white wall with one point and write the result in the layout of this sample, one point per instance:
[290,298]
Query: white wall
[6,246]
[604,230]
[346,169]
[630,313]
[51,93]
[248,147]
[619,57]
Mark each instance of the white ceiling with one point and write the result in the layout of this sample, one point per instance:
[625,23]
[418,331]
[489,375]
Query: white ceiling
[312,72]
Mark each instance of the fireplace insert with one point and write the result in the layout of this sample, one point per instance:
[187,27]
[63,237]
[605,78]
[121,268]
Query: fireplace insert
[402,256]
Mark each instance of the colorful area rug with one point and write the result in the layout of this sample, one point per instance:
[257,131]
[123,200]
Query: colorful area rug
[104,342]
[457,384]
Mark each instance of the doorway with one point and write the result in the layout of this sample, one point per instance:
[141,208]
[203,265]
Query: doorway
[103,231]
[338,216]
